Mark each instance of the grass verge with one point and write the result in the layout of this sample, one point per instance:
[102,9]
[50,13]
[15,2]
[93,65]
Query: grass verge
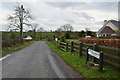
[70,40]
[14,48]
[78,64]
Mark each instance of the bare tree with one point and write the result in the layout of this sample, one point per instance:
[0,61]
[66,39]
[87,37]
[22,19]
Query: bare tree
[58,30]
[66,27]
[34,27]
[87,29]
[20,17]
[40,29]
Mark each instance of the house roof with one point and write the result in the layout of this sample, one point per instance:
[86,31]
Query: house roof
[107,30]
[116,23]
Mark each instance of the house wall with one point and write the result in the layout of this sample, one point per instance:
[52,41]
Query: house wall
[99,35]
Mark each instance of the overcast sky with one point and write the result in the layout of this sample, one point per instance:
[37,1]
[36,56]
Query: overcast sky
[51,15]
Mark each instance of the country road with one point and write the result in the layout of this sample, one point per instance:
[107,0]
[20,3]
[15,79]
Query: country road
[36,61]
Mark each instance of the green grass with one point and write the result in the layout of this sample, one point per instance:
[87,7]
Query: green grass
[78,64]
[70,40]
[15,47]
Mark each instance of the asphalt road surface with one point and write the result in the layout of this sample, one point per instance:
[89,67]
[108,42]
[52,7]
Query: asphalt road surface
[36,61]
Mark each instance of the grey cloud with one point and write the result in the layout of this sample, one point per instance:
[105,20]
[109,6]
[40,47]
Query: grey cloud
[85,6]
[99,22]
[83,14]
[64,4]
[8,5]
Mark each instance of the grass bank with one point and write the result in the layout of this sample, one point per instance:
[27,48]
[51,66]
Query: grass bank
[7,50]
[78,64]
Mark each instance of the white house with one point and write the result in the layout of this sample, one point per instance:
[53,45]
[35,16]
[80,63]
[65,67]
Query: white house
[109,28]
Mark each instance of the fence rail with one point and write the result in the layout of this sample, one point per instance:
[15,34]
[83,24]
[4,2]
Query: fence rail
[112,59]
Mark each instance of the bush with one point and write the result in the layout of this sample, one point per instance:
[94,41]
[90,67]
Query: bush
[62,38]
[110,37]
[9,39]
[104,42]
[67,35]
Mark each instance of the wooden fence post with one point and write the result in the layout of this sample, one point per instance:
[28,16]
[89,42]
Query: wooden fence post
[80,49]
[72,46]
[101,61]
[60,45]
[66,46]
[87,56]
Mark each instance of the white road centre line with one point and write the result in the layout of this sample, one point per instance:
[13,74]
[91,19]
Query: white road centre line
[5,57]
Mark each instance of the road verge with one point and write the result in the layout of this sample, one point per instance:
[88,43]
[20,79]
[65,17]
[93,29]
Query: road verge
[78,64]
[8,50]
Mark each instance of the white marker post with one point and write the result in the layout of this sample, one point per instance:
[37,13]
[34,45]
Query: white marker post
[56,39]
[98,55]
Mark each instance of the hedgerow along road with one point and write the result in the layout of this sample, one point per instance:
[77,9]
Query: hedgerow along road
[36,61]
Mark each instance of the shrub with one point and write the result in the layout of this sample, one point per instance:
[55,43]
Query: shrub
[104,42]
[62,38]
[9,39]
[67,35]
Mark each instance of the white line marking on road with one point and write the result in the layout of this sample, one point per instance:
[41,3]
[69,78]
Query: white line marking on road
[4,57]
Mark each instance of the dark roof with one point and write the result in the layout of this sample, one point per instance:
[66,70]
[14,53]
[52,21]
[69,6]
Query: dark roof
[107,30]
[116,23]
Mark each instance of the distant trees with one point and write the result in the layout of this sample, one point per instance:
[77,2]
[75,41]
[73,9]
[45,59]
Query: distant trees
[66,28]
[88,32]
[34,27]
[82,34]
[41,29]
[58,30]
[19,18]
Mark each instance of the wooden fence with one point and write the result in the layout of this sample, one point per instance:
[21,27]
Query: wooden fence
[111,54]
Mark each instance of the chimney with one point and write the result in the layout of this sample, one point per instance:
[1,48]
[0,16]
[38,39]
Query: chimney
[105,21]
